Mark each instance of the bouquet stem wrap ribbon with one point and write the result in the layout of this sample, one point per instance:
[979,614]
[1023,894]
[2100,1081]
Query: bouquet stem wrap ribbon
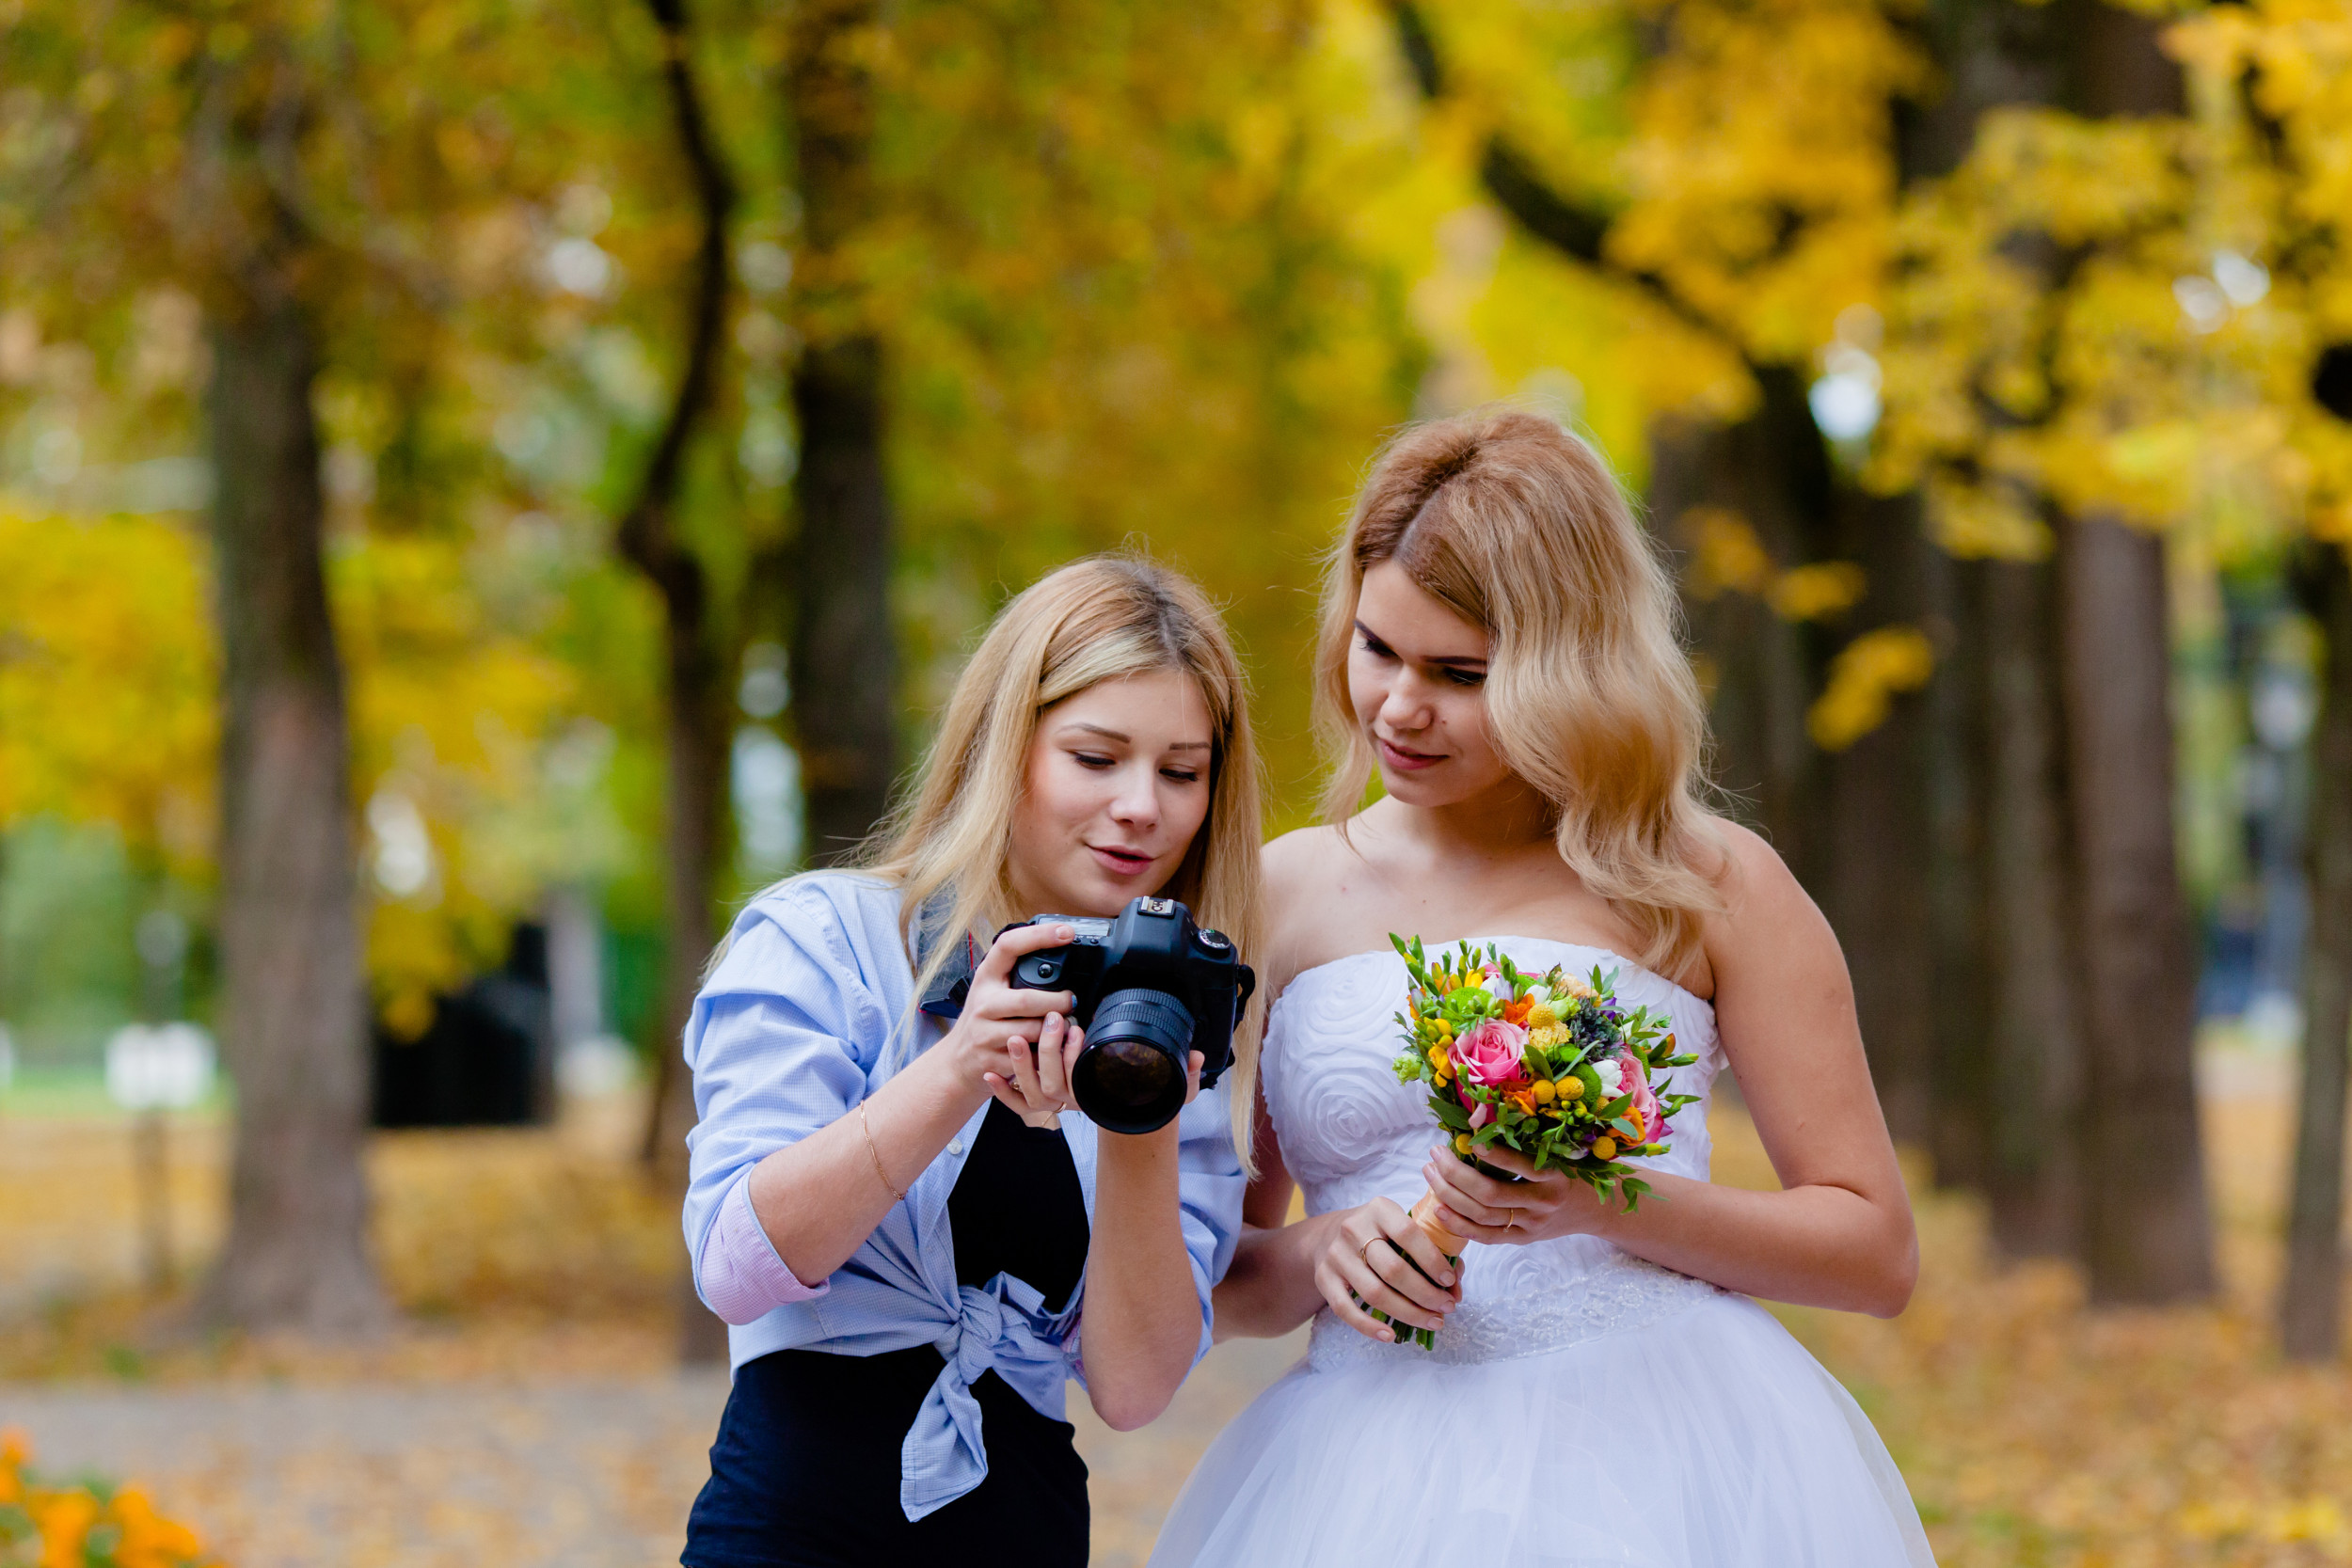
[1425,1215]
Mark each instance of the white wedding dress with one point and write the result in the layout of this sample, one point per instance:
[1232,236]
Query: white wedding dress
[1581,1406]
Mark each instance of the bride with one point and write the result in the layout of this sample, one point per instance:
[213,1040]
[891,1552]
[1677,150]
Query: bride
[1500,642]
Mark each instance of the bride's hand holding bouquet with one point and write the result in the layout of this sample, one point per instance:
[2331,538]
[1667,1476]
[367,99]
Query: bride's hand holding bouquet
[1383,1266]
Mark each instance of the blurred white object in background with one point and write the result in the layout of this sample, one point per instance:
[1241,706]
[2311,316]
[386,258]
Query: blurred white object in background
[164,1066]
[8,1059]
[589,1062]
[152,1069]
[593,1068]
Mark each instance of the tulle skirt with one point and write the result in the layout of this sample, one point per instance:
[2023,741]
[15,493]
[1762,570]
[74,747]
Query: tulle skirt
[1706,1438]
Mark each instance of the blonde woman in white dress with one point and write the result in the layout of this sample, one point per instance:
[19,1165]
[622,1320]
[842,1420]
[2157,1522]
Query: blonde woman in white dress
[1499,642]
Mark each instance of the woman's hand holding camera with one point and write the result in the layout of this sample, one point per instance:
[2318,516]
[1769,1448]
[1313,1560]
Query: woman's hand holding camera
[1023,1044]
[1020,1043]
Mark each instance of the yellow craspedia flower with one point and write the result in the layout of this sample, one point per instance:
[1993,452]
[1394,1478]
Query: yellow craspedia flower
[1541,1015]
[1604,1148]
[1462,1144]
[1571,1088]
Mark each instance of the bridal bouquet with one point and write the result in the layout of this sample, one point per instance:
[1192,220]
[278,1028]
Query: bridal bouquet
[1551,1066]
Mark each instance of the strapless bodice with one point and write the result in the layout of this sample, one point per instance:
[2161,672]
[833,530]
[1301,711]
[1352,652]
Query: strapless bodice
[1350,1132]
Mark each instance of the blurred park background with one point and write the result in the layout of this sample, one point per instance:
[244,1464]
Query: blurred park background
[485,485]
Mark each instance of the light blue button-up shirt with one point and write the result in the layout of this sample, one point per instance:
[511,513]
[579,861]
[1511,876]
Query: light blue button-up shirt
[790,1032]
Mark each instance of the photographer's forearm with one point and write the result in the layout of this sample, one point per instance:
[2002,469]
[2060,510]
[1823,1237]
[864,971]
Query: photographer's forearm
[1142,1319]
[820,1199]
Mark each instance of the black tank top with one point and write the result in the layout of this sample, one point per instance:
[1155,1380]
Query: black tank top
[1017,1209]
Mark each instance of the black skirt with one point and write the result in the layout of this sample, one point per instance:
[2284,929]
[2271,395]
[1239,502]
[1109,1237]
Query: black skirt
[804,1473]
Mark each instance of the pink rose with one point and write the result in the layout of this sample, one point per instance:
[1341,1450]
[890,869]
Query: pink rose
[1490,1054]
[1645,1112]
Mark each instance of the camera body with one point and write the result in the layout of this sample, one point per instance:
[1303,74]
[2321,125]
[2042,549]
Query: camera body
[1151,987]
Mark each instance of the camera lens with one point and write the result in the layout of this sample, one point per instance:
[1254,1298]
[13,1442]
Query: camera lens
[1129,1078]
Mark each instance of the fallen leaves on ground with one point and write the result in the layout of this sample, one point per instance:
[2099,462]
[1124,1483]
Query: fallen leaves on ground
[2033,1431]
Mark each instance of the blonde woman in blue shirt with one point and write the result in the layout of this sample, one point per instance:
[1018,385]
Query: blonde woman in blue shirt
[915,1236]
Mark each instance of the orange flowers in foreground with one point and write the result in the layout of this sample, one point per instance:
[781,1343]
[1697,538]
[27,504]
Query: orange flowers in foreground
[87,1525]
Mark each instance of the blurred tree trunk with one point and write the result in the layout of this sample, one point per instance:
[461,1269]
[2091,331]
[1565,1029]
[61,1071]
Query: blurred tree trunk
[292,1010]
[1771,470]
[2033,1046]
[697,646]
[2147,1229]
[1879,837]
[844,665]
[1958,743]
[2146,1234]
[2311,1302]
[1989,55]
[698,724]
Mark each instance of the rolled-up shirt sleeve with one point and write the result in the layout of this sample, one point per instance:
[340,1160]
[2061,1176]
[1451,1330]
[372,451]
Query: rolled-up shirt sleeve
[780,1043]
[740,1274]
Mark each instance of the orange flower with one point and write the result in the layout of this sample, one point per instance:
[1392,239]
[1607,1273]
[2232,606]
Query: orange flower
[148,1540]
[64,1520]
[1516,1012]
[1523,1098]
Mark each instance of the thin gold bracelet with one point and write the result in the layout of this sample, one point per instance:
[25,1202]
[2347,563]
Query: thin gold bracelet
[876,1154]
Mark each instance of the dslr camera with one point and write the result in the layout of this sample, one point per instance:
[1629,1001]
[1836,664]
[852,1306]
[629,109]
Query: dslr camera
[1152,988]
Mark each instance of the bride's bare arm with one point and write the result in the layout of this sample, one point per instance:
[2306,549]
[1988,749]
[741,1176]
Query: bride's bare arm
[1269,1290]
[1840,1232]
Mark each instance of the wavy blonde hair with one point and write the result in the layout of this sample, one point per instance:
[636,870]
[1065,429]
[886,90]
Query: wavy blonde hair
[1101,619]
[1519,527]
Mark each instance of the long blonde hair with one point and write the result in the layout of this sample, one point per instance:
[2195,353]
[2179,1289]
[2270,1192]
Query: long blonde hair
[1517,527]
[1103,618]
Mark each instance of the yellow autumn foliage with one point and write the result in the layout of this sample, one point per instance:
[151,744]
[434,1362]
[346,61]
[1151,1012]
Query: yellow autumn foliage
[1863,681]
[106,678]
[109,713]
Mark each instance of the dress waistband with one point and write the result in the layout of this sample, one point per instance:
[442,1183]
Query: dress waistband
[1621,1293]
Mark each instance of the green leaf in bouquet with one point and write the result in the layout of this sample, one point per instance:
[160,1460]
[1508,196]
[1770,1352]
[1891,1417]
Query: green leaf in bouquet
[1449,1111]
[1615,1108]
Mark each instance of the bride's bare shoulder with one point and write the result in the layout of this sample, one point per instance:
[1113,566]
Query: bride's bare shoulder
[1303,871]
[1299,869]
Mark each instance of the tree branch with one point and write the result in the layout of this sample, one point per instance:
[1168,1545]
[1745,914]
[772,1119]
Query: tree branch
[1519,189]
[644,534]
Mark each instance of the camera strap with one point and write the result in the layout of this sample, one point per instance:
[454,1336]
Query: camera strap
[945,996]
